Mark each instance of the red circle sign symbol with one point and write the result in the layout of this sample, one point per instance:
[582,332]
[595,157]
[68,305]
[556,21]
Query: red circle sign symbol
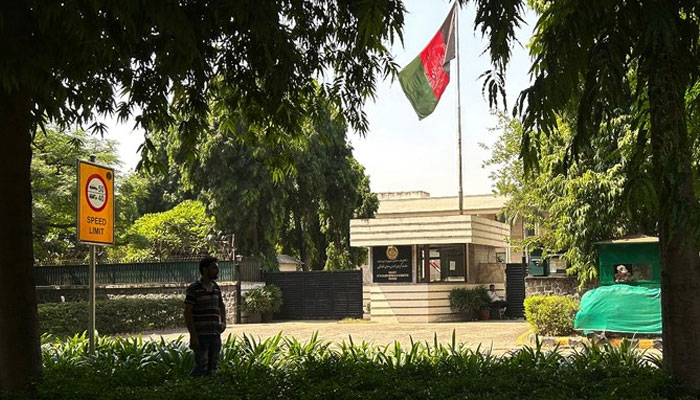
[96,192]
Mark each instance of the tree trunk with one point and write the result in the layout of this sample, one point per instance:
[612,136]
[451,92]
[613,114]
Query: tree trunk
[20,354]
[300,236]
[680,262]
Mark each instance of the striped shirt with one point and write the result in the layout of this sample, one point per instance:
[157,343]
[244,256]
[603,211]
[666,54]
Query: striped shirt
[207,306]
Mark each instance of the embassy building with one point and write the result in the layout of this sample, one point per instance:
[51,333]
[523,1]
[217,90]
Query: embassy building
[421,247]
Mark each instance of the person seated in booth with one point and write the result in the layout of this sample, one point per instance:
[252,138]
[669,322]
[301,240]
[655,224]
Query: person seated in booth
[623,275]
[495,300]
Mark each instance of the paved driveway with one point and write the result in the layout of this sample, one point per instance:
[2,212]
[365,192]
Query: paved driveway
[500,336]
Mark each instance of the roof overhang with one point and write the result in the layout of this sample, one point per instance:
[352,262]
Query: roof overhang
[428,230]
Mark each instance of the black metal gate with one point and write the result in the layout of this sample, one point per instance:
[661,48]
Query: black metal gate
[515,289]
[318,294]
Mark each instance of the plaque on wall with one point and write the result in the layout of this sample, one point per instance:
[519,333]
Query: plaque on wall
[392,264]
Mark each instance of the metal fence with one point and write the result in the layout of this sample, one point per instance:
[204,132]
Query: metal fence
[318,294]
[135,273]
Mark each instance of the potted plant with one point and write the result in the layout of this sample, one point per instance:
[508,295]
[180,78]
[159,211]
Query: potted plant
[471,303]
[274,295]
[254,304]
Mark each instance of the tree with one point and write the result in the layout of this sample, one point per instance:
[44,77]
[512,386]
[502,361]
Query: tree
[53,171]
[595,198]
[328,189]
[602,56]
[67,61]
[176,233]
[143,192]
[299,204]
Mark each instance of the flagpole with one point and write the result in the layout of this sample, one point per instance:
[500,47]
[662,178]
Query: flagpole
[459,111]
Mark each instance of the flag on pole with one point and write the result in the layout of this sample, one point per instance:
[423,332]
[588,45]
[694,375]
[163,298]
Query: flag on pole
[426,77]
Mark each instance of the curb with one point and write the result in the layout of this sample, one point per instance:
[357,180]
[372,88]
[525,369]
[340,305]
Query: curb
[577,342]
[524,338]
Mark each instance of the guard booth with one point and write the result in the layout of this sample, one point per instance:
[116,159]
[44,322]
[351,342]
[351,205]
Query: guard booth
[629,298]
[419,248]
[640,256]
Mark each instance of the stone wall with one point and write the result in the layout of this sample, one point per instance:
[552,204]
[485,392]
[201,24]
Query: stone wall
[58,294]
[555,285]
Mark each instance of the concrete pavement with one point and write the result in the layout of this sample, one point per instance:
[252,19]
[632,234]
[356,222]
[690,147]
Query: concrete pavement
[499,336]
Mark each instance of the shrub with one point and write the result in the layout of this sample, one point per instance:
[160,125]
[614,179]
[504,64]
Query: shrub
[112,316]
[551,315]
[284,368]
[274,293]
[265,300]
[469,301]
[255,301]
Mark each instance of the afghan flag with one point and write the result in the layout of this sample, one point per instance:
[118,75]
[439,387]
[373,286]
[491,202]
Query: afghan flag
[426,77]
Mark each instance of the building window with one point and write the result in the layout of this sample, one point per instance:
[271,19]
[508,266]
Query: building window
[445,263]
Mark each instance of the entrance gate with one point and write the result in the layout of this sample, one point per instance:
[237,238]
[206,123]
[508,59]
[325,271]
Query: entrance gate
[515,289]
[318,294]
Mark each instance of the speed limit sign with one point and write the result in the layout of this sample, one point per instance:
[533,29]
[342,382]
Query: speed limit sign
[95,203]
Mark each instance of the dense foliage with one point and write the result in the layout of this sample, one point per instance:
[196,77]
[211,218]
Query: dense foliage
[126,315]
[152,192]
[66,62]
[281,367]
[551,315]
[53,172]
[606,193]
[264,300]
[598,61]
[293,197]
[469,301]
[173,234]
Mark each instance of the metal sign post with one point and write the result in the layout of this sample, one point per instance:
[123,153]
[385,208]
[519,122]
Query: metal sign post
[237,268]
[91,318]
[95,220]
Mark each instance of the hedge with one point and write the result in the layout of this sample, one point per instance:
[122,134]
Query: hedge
[113,316]
[283,368]
[551,315]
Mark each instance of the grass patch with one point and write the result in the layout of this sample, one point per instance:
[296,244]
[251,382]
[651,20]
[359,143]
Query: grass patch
[281,367]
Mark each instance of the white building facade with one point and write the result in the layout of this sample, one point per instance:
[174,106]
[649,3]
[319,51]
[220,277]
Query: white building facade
[421,247]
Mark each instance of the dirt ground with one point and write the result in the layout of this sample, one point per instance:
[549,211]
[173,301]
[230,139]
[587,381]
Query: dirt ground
[498,336]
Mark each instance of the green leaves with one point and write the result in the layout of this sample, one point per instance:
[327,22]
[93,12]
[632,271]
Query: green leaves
[604,194]
[265,300]
[113,316]
[282,367]
[469,301]
[179,232]
[53,171]
[73,58]
[551,315]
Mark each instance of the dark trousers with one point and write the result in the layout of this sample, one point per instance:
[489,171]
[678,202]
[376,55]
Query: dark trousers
[498,304]
[206,359]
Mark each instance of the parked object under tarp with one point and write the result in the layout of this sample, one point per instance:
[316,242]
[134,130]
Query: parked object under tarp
[620,308]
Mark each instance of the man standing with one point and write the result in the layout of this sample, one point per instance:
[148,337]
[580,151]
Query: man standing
[205,317]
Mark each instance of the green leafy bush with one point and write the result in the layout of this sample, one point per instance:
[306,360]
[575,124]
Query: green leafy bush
[112,316]
[265,300]
[551,315]
[274,293]
[281,367]
[469,301]
[255,301]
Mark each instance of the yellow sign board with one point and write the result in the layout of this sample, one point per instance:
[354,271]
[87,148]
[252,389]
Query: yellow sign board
[95,204]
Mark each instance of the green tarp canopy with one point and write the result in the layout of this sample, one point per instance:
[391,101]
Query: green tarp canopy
[620,308]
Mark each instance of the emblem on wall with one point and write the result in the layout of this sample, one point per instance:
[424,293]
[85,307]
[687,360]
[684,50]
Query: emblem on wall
[392,264]
[392,252]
